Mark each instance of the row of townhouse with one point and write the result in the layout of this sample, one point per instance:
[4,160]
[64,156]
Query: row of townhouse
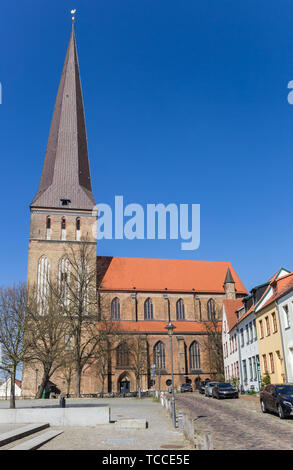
[257,335]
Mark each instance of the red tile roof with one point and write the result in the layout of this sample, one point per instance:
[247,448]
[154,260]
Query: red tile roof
[152,327]
[282,285]
[146,274]
[230,308]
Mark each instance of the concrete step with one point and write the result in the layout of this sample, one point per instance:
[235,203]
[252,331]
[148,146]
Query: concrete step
[19,433]
[132,423]
[38,441]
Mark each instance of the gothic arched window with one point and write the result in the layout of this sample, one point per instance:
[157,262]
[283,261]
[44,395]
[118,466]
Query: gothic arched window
[43,283]
[194,356]
[148,310]
[122,355]
[211,307]
[115,309]
[159,355]
[63,228]
[180,310]
[63,277]
[48,223]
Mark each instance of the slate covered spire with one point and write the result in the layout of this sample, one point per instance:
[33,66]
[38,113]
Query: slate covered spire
[66,179]
[229,277]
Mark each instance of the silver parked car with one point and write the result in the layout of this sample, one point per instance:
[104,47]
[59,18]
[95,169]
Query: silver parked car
[209,389]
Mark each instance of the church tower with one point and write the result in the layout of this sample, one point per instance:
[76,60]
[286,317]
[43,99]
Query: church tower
[61,211]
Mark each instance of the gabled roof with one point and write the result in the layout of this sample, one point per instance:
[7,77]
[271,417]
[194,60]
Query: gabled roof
[284,282]
[280,287]
[231,307]
[146,274]
[66,173]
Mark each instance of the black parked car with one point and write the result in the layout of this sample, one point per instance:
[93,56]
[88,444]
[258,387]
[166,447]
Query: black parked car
[278,399]
[202,386]
[224,390]
[185,388]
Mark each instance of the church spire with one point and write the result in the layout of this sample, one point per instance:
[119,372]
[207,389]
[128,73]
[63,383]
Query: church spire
[65,179]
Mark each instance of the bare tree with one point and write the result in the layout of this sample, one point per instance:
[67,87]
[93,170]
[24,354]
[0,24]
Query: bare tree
[48,332]
[12,327]
[87,311]
[212,343]
[137,347]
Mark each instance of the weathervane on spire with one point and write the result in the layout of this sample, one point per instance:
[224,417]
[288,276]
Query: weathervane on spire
[73,13]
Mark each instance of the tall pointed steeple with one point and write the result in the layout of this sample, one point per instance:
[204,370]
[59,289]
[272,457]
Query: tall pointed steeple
[229,285]
[65,179]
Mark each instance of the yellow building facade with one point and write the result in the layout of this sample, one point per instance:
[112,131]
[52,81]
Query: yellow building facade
[270,343]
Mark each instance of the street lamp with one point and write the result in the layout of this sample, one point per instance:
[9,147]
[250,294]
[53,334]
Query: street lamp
[170,327]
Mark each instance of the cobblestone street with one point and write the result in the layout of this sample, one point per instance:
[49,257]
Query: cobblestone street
[237,424]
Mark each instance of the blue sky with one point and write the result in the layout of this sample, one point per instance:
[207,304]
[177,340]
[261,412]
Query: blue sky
[186,102]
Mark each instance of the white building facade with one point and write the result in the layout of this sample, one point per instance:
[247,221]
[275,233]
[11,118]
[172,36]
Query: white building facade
[285,311]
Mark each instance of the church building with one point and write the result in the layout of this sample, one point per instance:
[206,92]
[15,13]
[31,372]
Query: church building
[145,294]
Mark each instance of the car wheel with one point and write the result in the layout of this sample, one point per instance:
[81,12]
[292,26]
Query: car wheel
[281,412]
[263,407]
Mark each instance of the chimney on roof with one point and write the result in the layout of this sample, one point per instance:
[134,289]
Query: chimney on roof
[229,286]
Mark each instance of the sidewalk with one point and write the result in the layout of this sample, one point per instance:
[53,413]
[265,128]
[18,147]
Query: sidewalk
[160,433]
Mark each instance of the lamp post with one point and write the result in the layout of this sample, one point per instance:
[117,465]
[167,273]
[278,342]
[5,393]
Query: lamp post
[170,327]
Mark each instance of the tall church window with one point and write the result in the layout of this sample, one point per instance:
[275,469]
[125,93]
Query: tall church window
[180,310]
[160,355]
[48,228]
[194,356]
[63,277]
[43,283]
[122,355]
[77,227]
[63,228]
[211,307]
[148,310]
[115,309]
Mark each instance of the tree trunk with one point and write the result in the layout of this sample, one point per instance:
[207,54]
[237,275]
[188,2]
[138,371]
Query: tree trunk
[12,388]
[77,381]
[42,386]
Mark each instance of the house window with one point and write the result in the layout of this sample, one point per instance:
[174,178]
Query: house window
[275,327]
[48,222]
[286,316]
[254,368]
[159,355]
[242,337]
[115,309]
[180,311]
[194,355]
[272,363]
[254,329]
[268,328]
[261,329]
[247,334]
[250,369]
[244,370]
[251,332]
[148,310]
[122,355]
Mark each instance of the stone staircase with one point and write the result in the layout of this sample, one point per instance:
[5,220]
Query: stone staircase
[21,434]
